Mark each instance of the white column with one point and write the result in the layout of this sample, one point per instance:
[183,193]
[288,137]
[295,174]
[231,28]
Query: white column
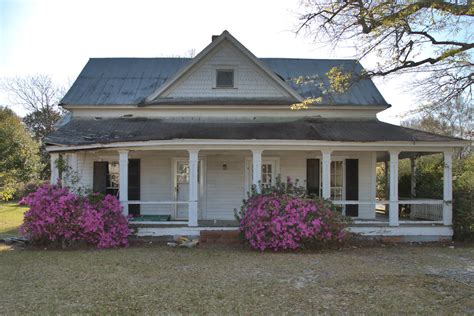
[448,188]
[373,183]
[193,187]
[326,173]
[54,168]
[257,167]
[393,218]
[413,177]
[123,180]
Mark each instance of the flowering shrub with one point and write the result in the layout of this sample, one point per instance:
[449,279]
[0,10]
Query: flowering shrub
[58,215]
[284,217]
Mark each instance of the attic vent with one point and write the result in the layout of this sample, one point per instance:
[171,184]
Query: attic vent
[225,78]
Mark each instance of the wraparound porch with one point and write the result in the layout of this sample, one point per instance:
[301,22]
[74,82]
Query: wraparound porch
[214,167]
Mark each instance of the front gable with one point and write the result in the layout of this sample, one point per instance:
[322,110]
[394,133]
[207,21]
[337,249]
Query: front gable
[251,78]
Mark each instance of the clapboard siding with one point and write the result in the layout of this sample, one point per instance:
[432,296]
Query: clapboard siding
[249,81]
[224,190]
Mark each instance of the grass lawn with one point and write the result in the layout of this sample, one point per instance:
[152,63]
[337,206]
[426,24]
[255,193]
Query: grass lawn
[152,278]
[11,216]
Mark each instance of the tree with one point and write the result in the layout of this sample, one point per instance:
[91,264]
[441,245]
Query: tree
[40,96]
[20,154]
[454,118]
[430,37]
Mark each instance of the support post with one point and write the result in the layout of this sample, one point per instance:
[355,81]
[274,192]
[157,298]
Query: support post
[73,166]
[448,189]
[257,168]
[193,187]
[326,174]
[373,186]
[393,214]
[54,168]
[123,180]
[413,177]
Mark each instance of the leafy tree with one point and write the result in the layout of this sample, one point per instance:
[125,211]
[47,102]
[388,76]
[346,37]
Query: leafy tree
[430,37]
[40,96]
[20,154]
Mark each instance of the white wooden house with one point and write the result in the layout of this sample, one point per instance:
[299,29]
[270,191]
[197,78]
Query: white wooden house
[187,137]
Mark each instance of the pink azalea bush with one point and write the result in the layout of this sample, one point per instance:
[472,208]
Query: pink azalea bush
[285,217]
[58,215]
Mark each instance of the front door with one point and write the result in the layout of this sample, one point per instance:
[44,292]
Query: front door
[269,173]
[181,181]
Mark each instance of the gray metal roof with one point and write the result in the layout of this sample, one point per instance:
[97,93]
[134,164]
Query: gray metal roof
[121,81]
[83,131]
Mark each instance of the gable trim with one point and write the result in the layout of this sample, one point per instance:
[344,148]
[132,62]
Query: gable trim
[224,36]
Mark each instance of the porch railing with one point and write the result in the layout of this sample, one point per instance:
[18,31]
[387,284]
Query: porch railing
[421,210]
[134,202]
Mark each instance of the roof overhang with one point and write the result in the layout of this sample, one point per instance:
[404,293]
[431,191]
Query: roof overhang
[265,144]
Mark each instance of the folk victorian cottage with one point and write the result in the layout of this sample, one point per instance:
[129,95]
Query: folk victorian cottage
[181,140]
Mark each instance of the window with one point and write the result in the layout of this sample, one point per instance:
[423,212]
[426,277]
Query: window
[112,178]
[336,180]
[267,173]
[225,78]
[337,176]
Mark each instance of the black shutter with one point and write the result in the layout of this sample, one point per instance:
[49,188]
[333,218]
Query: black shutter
[352,186]
[100,176]
[134,185]
[312,176]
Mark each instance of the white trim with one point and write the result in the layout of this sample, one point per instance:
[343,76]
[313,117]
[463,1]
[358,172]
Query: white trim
[266,144]
[421,230]
[206,51]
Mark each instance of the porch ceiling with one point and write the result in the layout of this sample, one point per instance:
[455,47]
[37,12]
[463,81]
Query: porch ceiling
[87,131]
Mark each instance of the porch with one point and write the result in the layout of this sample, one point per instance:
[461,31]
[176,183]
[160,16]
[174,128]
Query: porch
[198,188]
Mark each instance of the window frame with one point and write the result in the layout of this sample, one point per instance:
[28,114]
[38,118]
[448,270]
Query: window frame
[230,70]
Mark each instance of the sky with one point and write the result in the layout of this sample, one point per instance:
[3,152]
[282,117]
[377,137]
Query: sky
[57,37]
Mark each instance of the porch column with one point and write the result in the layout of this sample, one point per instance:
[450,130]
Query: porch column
[393,213]
[326,176]
[193,187]
[123,180]
[413,177]
[257,168]
[448,189]
[54,168]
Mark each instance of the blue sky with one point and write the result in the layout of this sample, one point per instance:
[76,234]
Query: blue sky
[57,37]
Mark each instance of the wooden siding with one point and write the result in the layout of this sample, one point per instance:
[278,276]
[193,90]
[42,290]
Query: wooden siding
[223,190]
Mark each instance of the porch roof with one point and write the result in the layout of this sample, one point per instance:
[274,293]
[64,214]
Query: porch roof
[87,131]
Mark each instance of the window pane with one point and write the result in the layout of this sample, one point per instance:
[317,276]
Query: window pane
[225,78]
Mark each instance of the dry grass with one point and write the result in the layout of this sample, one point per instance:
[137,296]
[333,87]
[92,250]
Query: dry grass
[155,279]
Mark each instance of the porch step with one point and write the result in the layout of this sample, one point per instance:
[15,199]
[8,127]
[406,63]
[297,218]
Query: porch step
[219,237]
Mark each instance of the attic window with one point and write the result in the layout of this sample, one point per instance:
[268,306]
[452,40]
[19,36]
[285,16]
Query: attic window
[225,78]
